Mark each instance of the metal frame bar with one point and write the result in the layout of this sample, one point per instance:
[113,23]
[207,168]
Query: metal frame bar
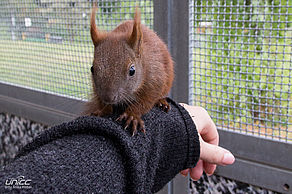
[48,109]
[253,165]
[167,17]
[253,148]
[179,49]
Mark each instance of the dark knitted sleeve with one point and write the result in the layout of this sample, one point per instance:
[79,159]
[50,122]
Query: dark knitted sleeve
[96,155]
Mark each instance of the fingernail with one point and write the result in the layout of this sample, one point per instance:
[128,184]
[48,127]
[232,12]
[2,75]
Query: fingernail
[194,179]
[228,158]
[208,174]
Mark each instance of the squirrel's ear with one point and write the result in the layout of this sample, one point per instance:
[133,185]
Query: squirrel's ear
[135,40]
[96,35]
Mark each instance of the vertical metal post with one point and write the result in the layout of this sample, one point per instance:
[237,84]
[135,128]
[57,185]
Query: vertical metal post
[161,27]
[171,24]
[180,49]
[160,23]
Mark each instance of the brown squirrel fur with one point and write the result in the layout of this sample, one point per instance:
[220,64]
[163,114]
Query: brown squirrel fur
[131,45]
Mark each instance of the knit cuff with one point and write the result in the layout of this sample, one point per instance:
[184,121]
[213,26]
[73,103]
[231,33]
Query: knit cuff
[193,139]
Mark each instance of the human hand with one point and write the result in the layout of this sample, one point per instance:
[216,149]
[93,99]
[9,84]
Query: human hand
[210,153]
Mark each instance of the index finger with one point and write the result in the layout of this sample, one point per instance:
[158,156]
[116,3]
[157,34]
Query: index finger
[209,133]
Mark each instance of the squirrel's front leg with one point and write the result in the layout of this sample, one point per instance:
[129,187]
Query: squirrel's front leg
[133,113]
[132,118]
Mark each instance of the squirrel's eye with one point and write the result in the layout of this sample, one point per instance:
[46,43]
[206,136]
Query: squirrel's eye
[91,69]
[132,70]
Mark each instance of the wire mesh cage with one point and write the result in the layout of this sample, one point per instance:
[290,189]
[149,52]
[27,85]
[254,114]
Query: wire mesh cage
[240,64]
[240,54]
[45,44]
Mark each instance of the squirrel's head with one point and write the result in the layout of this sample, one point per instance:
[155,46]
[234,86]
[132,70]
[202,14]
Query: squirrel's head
[117,71]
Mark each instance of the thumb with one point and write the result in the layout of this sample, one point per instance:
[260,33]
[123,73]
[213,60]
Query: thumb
[215,154]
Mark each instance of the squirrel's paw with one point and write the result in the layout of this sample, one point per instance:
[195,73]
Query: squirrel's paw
[134,120]
[163,104]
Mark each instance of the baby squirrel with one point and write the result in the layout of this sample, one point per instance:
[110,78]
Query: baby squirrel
[132,68]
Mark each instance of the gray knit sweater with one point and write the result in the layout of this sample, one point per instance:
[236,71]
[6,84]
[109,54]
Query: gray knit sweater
[96,155]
